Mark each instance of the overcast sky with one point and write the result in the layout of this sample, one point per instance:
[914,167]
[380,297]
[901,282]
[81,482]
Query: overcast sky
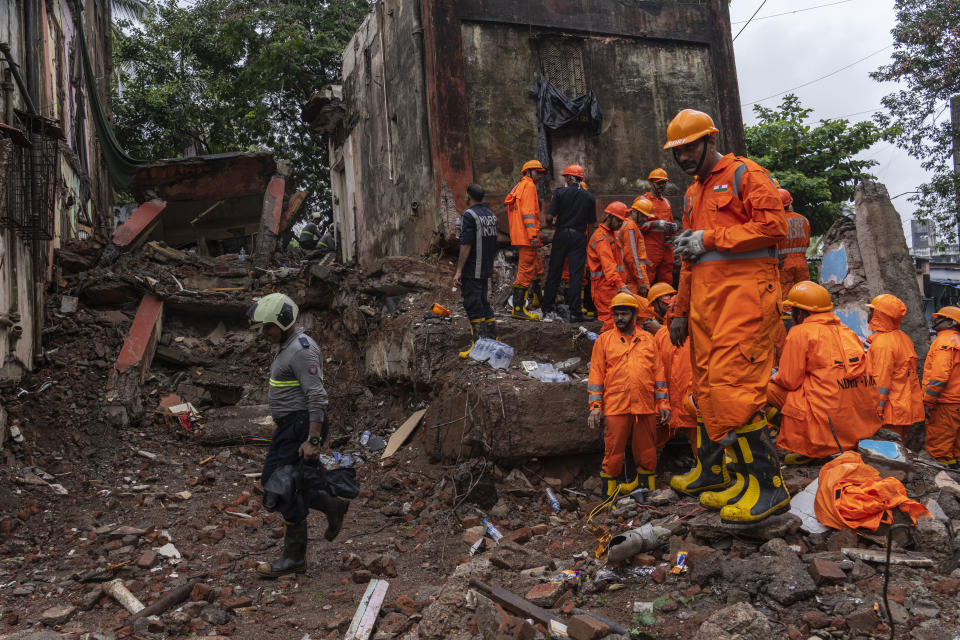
[779,53]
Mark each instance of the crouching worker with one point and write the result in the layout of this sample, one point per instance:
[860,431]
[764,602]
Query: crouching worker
[627,391]
[823,386]
[941,389]
[298,404]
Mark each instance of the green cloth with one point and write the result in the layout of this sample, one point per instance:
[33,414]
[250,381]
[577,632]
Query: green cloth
[120,166]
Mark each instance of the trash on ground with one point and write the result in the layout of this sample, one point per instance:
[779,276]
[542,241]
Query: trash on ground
[495,353]
[802,506]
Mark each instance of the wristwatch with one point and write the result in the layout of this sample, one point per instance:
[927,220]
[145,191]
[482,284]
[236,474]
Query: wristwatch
[314,441]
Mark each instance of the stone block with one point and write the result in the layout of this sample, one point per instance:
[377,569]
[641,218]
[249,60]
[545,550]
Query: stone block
[824,571]
[546,594]
[583,627]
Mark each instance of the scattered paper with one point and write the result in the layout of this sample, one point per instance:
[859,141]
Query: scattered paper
[802,506]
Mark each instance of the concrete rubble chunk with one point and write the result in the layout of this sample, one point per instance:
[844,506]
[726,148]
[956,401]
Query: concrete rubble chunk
[583,627]
[57,614]
[736,622]
[824,571]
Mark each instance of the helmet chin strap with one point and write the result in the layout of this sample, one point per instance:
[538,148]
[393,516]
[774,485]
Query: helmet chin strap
[703,155]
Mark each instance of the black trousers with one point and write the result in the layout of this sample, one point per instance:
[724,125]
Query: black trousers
[292,430]
[568,244]
[474,292]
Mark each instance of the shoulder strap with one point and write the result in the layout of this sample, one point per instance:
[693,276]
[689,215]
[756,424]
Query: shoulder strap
[304,341]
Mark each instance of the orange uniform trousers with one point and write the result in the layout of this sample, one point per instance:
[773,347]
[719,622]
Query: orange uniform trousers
[529,266]
[659,260]
[734,311]
[943,431]
[641,430]
[602,295]
[794,270]
[901,429]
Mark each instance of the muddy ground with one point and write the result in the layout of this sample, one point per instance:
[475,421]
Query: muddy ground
[492,440]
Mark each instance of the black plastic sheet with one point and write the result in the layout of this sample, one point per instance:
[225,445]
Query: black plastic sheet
[555,110]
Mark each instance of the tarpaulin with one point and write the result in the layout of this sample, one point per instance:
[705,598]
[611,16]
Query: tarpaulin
[852,494]
[555,109]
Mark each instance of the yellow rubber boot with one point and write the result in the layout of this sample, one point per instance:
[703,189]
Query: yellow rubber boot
[647,478]
[709,473]
[476,325]
[608,486]
[629,487]
[583,307]
[491,329]
[536,293]
[764,494]
[796,459]
[716,500]
[519,310]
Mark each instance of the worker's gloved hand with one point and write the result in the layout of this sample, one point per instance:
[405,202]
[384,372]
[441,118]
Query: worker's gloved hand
[535,242]
[678,331]
[624,289]
[643,290]
[594,419]
[650,325]
[664,416]
[662,225]
[690,245]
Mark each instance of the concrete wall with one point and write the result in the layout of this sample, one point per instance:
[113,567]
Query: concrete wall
[436,97]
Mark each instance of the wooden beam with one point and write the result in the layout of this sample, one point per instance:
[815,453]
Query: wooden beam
[366,615]
[172,598]
[207,211]
[401,434]
[520,606]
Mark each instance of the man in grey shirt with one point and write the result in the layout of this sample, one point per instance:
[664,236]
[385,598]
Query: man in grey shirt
[298,405]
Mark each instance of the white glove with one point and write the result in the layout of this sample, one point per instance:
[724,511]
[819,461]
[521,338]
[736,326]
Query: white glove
[662,225]
[690,245]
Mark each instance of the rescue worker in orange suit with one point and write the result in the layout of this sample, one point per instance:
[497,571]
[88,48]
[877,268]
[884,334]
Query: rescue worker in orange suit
[658,230]
[634,253]
[823,387]
[792,251]
[523,213]
[572,210]
[605,263]
[892,361]
[728,302]
[627,392]
[941,389]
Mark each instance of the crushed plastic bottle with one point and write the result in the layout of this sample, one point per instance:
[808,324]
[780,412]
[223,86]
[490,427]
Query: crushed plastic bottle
[243,255]
[590,334]
[552,499]
[495,353]
[329,462]
[492,531]
[365,437]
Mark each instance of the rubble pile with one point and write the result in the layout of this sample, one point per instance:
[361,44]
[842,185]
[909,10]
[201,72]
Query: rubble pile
[457,524]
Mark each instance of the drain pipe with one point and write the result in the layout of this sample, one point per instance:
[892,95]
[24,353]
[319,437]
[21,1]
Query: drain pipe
[5,49]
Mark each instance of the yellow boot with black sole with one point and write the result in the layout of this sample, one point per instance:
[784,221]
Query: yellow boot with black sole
[476,328]
[764,492]
[710,472]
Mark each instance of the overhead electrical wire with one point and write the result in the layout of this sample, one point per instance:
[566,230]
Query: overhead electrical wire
[787,13]
[751,18]
[823,77]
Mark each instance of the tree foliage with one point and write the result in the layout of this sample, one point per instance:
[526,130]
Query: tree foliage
[815,163]
[214,76]
[926,60]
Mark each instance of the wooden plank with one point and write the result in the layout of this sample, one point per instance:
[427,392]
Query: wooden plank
[401,434]
[206,212]
[373,610]
[517,605]
[361,609]
[880,556]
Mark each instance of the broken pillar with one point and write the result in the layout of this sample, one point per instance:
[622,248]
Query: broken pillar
[132,233]
[123,404]
[865,257]
[270,218]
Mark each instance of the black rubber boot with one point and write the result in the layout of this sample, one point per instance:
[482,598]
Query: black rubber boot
[477,327]
[709,474]
[293,558]
[519,300]
[490,329]
[334,508]
[764,494]
[536,293]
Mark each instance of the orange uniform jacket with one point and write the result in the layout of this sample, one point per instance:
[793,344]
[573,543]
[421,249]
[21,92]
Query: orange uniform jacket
[604,259]
[626,374]
[798,237]
[658,242]
[941,370]
[892,361]
[523,212]
[634,253]
[824,371]
[676,367]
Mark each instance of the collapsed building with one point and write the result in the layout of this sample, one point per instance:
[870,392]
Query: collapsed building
[436,95]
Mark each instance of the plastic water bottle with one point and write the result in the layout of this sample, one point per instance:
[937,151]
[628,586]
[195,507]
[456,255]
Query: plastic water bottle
[243,255]
[590,334]
[492,531]
[365,437]
[552,499]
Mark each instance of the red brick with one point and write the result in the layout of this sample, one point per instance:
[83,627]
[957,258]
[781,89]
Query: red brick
[513,628]
[643,560]
[236,602]
[947,586]
[147,559]
[824,571]
[539,529]
[394,623]
[586,628]
[139,225]
[691,591]
[470,521]
[546,594]
[141,340]
[406,604]
[361,576]
[201,591]
[243,498]
[659,575]
[520,536]
[273,203]
[816,619]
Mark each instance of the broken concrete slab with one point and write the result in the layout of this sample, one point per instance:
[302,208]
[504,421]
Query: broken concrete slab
[138,227]
[736,622]
[141,342]
[230,424]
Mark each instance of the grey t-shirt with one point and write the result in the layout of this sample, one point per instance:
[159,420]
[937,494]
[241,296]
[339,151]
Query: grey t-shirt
[296,378]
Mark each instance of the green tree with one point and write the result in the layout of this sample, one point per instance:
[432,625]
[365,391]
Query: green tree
[815,163]
[926,61]
[230,75]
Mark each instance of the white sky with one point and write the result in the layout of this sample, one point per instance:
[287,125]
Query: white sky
[779,53]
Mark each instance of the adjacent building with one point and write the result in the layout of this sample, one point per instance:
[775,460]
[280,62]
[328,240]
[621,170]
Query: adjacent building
[437,94]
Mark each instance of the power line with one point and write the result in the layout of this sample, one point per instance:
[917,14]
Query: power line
[751,18]
[786,13]
[823,77]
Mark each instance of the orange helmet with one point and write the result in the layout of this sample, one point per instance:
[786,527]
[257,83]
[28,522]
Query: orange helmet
[625,300]
[951,313]
[809,296]
[657,174]
[643,205]
[687,126]
[785,197]
[532,164]
[617,209]
[574,170]
[644,310]
[889,305]
[659,290]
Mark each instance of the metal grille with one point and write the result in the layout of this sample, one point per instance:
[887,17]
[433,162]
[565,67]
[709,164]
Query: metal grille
[39,172]
[562,62]
[16,165]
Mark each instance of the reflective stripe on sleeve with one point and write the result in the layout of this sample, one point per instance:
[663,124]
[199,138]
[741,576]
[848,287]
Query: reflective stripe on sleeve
[594,397]
[595,387]
[661,395]
[884,391]
[284,383]
[931,392]
[713,256]
[596,274]
[937,383]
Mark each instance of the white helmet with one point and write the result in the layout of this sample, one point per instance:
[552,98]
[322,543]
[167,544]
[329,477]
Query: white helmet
[277,308]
